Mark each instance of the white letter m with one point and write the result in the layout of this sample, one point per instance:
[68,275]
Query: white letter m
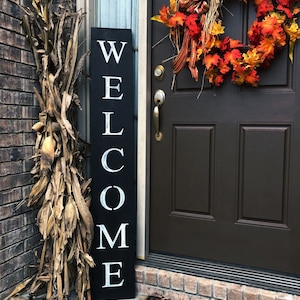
[111,242]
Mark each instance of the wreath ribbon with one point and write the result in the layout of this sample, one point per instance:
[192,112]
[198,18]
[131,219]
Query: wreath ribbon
[197,31]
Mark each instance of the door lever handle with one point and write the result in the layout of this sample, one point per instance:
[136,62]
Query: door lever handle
[159,99]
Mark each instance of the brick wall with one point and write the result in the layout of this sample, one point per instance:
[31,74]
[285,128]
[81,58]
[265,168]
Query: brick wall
[18,111]
[157,284]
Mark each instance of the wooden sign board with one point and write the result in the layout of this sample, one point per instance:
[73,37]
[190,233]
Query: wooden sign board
[113,163]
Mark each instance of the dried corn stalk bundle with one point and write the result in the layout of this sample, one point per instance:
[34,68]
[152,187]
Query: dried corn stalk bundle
[60,191]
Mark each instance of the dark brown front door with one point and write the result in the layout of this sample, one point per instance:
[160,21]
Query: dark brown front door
[225,178]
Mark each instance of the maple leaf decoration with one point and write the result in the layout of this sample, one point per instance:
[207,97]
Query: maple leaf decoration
[200,37]
[177,19]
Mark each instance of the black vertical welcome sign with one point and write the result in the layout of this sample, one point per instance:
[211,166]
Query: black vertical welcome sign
[113,164]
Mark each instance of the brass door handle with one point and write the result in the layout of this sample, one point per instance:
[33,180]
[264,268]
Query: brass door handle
[159,99]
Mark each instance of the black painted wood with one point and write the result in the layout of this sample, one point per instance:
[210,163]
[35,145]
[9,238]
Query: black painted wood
[225,177]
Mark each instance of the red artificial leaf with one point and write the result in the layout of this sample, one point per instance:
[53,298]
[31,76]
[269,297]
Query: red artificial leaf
[232,56]
[285,3]
[254,33]
[263,7]
[286,10]
[224,44]
[193,25]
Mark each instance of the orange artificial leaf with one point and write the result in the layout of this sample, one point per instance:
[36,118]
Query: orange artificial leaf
[211,60]
[218,80]
[238,74]
[218,43]
[266,47]
[163,16]
[279,37]
[210,43]
[214,77]
[296,11]
[232,56]
[177,19]
[252,78]
[268,25]
[210,75]
[223,67]
[235,43]
[164,13]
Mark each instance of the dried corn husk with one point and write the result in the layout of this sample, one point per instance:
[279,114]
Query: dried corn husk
[60,191]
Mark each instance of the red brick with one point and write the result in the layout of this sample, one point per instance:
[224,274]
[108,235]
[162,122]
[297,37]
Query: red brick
[205,287]
[267,295]
[191,284]
[8,282]
[235,292]
[151,276]
[12,38]
[13,237]
[164,279]
[12,251]
[13,167]
[18,112]
[250,293]
[177,281]
[16,263]
[283,296]
[219,290]
[11,196]
[27,58]
[139,273]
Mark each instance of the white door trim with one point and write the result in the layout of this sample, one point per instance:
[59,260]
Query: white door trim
[143,126]
[143,137]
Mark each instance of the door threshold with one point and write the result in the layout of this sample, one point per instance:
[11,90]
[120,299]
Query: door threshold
[268,280]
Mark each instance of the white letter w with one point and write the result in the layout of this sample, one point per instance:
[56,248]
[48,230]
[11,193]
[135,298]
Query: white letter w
[112,50]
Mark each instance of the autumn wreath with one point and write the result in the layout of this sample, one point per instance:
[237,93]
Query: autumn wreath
[197,33]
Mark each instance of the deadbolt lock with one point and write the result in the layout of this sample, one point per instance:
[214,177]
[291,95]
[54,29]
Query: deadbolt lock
[159,72]
[159,97]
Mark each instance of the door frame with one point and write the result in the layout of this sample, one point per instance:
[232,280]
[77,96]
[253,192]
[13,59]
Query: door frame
[143,129]
[143,111]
